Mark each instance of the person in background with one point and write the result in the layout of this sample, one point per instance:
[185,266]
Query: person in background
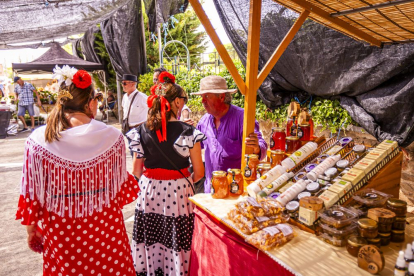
[74,185]
[163,225]
[184,114]
[134,99]
[24,93]
[223,126]
[110,102]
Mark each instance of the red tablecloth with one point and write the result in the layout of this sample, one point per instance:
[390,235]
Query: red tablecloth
[217,250]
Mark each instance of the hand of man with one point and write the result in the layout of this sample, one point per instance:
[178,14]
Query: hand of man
[253,142]
[34,239]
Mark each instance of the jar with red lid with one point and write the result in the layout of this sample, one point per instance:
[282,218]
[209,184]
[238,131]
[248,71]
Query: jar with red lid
[292,144]
[278,139]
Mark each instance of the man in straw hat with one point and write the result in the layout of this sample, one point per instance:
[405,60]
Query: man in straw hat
[223,126]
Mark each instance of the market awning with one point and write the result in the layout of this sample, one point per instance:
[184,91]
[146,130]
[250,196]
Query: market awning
[54,56]
[376,21]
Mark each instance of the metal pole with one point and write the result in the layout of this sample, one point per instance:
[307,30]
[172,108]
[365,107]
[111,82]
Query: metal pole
[159,44]
[119,96]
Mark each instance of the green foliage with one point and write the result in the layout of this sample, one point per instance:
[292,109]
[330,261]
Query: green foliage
[326,113]
[330,115]
[47,97]
[185,30]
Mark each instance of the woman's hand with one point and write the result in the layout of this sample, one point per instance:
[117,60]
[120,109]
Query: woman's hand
[34,239]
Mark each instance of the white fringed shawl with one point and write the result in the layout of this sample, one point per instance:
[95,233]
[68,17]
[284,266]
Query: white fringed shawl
[77,175]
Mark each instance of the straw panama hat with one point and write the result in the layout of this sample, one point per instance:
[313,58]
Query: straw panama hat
[213,84]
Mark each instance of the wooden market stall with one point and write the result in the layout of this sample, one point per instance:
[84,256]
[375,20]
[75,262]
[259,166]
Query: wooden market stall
[377,23]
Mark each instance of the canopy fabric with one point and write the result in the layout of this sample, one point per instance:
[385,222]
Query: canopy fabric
[38,20]
[124,38]
[159,11]
[386,21]
[56,55]
[375,85]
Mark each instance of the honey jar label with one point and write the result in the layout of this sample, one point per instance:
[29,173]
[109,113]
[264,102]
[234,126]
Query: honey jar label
[247,172]
[272,143]
[294,130]
[234,188]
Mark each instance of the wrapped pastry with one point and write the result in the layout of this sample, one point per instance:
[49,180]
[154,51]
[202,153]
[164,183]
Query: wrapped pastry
[271,237]
[250,208]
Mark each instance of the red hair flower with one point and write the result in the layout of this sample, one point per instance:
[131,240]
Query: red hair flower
[82,79]
[166,77]
[153,88]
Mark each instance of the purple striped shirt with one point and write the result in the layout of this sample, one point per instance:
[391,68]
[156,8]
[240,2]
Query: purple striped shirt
[223,146]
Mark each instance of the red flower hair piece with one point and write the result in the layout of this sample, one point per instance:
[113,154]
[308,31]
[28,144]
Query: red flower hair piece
[166,77]
[82,79]
[153,88]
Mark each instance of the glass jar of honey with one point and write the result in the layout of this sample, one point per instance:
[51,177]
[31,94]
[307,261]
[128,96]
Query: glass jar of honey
[250,171]
[354,244]
[263,168]
[306,132]
[399,207]
[292,144]
[235,181]
[276,157]
[289,123]
[367,228]
[278,139]
[219,185]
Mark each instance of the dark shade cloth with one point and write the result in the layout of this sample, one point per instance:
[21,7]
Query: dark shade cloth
[87,46]
[28,21]
[56,55]
[124,38]
[375,85]
[159,11]
[217,250]
[127,77]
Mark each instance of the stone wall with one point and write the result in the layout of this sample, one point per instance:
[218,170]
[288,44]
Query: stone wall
[359,135]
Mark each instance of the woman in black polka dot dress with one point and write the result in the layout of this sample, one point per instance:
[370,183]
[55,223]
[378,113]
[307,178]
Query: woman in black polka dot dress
[163,226]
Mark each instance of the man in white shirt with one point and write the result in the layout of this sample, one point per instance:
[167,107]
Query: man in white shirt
[137,100]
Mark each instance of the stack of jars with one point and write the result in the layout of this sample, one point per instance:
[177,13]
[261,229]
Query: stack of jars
[399,207]
[227,184]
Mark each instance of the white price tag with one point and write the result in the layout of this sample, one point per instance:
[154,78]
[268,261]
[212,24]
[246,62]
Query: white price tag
[272,230]
[286,229]
[261,219]
[253,202]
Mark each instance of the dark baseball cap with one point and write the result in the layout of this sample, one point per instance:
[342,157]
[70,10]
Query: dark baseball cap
[16,79]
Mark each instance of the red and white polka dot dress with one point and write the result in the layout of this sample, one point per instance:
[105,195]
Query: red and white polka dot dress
[92,245]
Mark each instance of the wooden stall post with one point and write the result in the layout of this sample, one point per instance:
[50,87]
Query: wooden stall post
[252,68]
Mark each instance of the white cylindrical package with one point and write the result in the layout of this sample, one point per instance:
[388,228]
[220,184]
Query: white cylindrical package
[275,184]
[322,167]
[299,155]
[292,192]
[264,180]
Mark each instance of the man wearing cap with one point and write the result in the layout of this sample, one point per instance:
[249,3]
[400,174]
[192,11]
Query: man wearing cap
[223,126]
[24,93]
[134,99]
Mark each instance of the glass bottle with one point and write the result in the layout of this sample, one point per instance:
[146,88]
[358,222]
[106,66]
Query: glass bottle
[235,180]
[219,185]
[276,157]
[278,139]
[250,172]
[292,144]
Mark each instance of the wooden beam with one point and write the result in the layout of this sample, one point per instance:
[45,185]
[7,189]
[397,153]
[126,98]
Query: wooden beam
[372,7]
[339,23]
[252,67]
[281,48]
[198,9]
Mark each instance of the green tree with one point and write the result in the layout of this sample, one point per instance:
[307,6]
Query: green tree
[182,27]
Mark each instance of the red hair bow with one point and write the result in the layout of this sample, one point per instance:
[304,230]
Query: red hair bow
[165,106]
